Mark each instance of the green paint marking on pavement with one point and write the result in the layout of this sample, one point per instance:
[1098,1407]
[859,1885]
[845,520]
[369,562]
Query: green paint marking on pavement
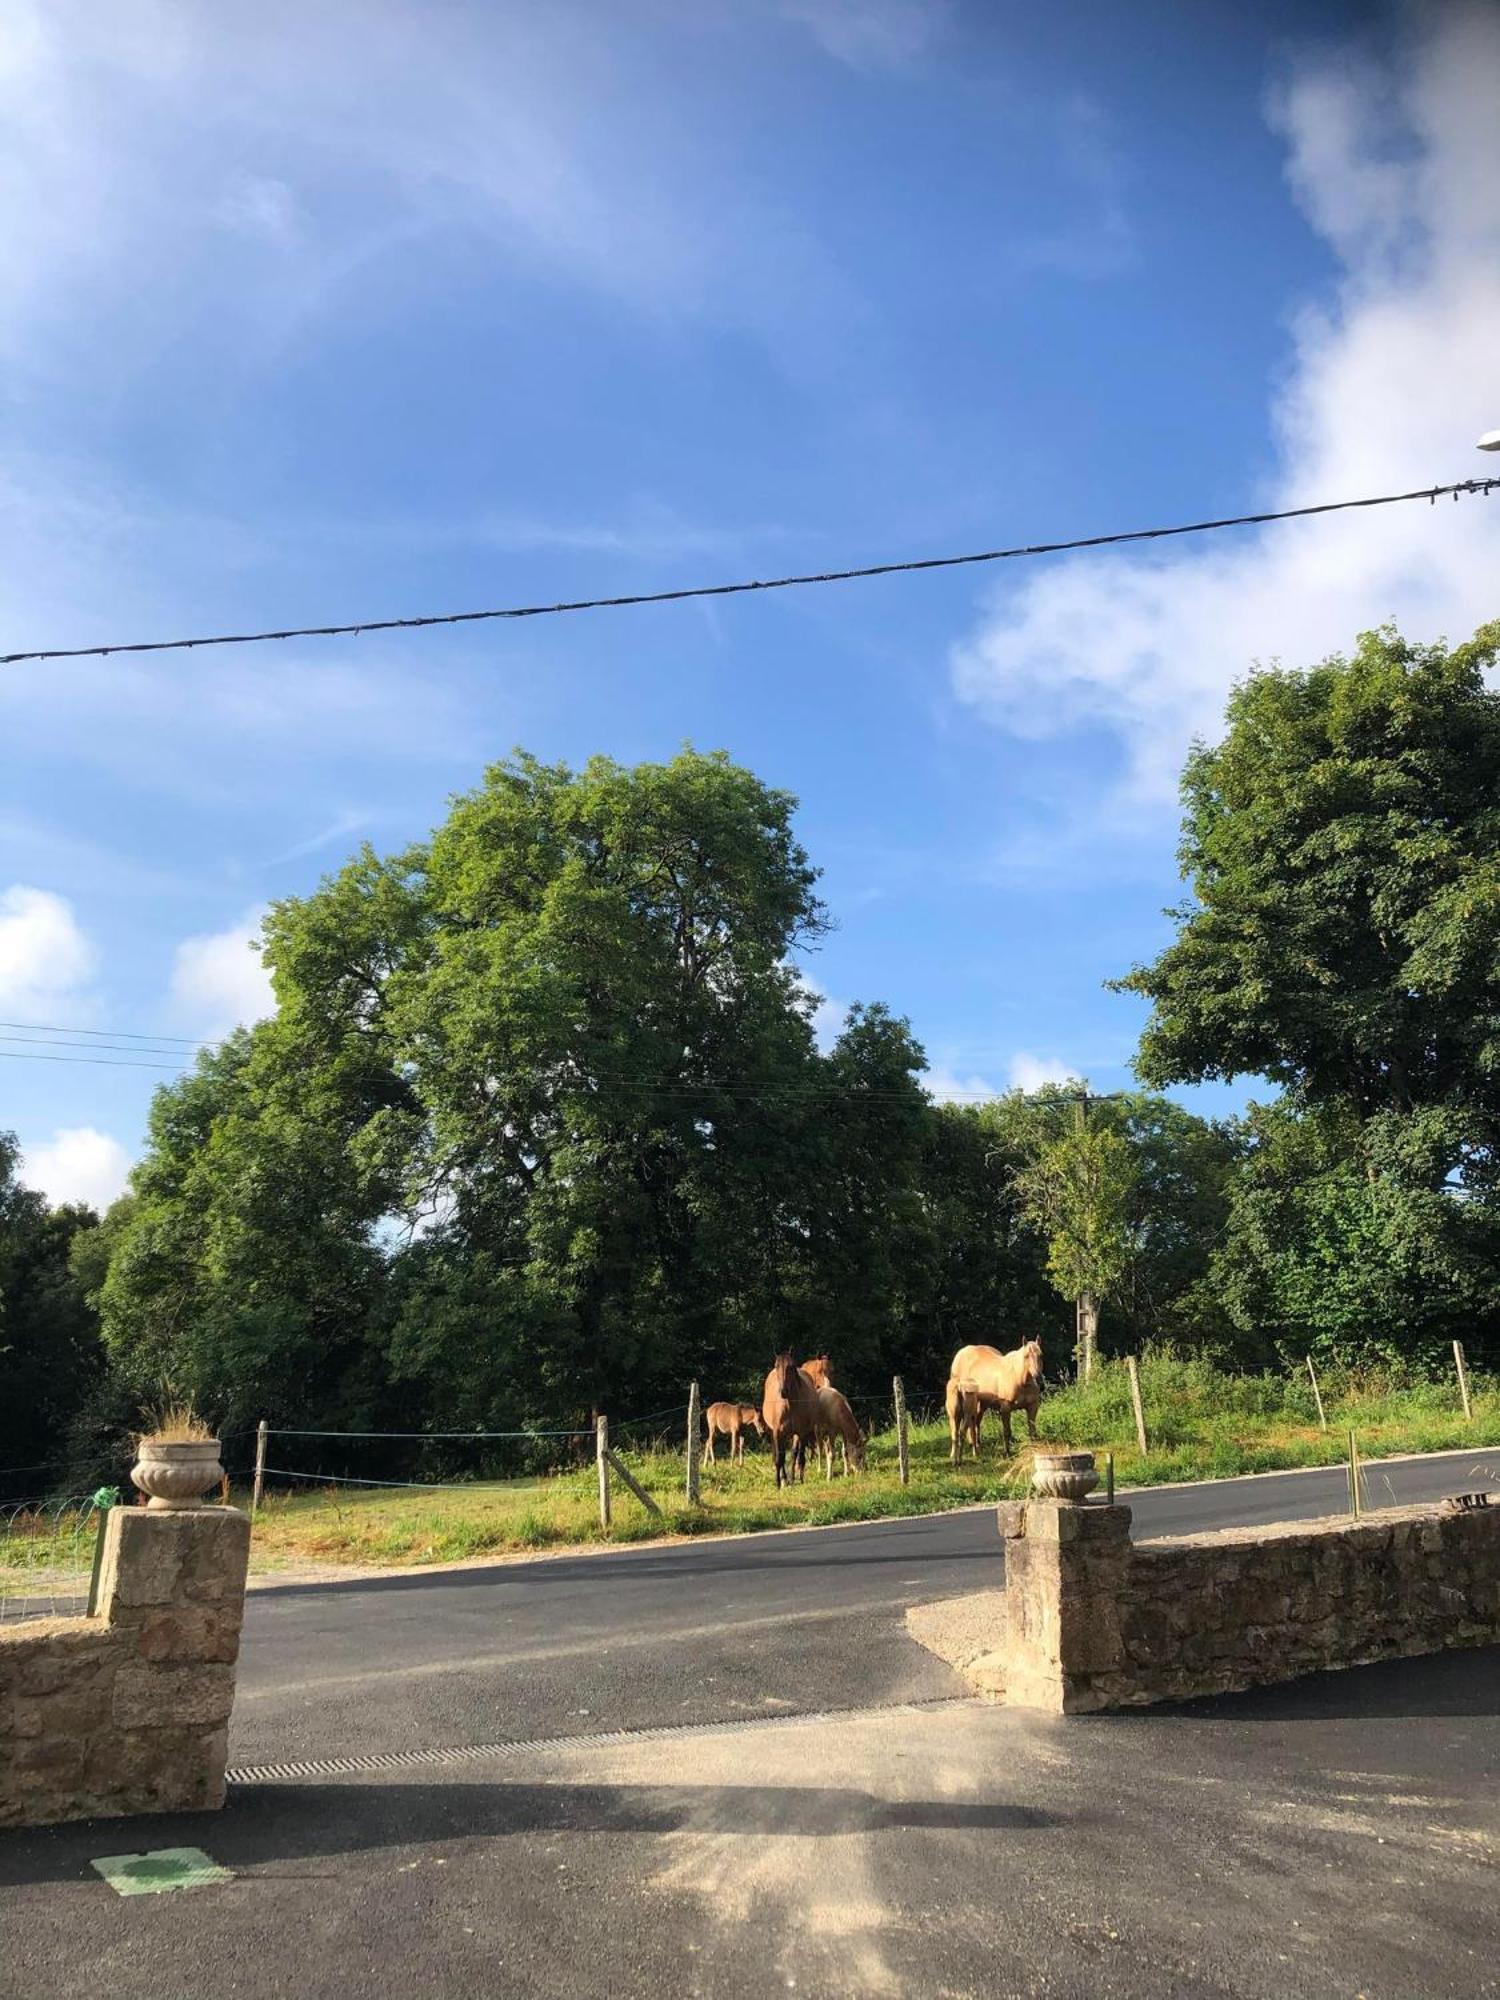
[166,1868]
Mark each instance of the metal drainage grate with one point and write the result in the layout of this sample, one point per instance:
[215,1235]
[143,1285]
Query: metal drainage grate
[468,1753]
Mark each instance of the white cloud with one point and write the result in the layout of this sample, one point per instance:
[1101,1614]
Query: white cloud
[1029,1072]
[828,1018]
[78,1163]
[870,34]
[218,981]
[1389,385]
[46,961]
[946,1086]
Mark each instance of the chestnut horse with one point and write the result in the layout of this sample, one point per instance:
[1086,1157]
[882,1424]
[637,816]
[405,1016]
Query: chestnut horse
[981,1379]
[732,1420]
[791,1411]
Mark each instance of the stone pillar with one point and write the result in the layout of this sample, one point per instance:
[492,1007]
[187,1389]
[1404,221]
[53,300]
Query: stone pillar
[1066,1567]
[127,1711]
[175,1583]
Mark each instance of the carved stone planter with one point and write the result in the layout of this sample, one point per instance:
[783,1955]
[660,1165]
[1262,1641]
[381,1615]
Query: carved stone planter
[177,1475]
[1063,1475]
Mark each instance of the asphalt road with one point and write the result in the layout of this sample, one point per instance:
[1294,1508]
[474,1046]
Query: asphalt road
[715,1631]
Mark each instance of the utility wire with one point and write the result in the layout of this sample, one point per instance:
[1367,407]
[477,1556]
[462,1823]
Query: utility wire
[105,1034]
[909,567]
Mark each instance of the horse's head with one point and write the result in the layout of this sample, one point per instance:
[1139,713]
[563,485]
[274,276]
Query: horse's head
[1031,1360]
[784,1369]
[820,1368]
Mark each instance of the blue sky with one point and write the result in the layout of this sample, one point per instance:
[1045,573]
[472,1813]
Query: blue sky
[374,308]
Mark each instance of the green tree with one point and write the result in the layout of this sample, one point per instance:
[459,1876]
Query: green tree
[1343,847]
[50,1355]
[1078,1189]
[1342,1240]
[541,1093]
[1343,939]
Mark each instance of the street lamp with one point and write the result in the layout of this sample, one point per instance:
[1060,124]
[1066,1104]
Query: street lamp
[1490,441]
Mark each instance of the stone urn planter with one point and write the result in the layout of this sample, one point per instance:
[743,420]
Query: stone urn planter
[1063,1475]
[177,1474]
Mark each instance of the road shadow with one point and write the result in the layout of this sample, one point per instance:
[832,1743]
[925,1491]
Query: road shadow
[280,1824]
[1465,1682]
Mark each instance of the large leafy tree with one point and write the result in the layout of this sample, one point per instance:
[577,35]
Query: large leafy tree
[539,1125]
[1343,848]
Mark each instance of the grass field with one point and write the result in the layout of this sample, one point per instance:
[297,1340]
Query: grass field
[1201,1424]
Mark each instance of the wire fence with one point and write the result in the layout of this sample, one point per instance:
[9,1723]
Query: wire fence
[48,1555]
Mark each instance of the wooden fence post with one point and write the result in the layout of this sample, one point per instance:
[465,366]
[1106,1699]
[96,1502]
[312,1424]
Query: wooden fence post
[903,1431]
[1317,1392]
[259,1487]
[1463,1380]
[694,1444]
[1109,1479]
[1135,1397]
[601,1442]
[1354,1505]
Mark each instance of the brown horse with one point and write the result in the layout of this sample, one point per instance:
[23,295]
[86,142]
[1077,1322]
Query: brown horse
[791,1411]
[732,1420]
[981,1379]
[837,1423]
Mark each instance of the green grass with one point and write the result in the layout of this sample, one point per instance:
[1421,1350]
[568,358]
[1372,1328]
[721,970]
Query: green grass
[1200,1424]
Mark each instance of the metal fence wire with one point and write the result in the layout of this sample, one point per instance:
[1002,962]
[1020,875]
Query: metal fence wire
[48,1551]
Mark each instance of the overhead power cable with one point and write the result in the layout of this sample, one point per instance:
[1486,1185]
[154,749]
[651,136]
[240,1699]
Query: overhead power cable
[106,1034]
[796,581]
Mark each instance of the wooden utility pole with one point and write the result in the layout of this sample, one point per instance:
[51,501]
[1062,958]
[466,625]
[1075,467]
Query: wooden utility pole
[601,1443]
[1317,1392]
[694,1444]
[1463,1380]
[259,1486]
[1135,1398]
[903,1434]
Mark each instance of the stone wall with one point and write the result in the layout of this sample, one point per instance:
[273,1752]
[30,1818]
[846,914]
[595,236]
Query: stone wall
[1091,1621]
[127,1711]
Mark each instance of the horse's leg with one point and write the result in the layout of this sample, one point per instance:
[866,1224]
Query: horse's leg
[1031,1421]
[1010,1443]
[708,1456]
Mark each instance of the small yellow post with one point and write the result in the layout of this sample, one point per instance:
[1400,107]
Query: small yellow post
[1317,1392]
[1463,1379]
[1135,1398]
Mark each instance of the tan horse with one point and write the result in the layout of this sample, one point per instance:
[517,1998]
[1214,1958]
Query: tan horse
[732,1420]
[791,1411]
[819,1371]
[981,1379]
[837,1424]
